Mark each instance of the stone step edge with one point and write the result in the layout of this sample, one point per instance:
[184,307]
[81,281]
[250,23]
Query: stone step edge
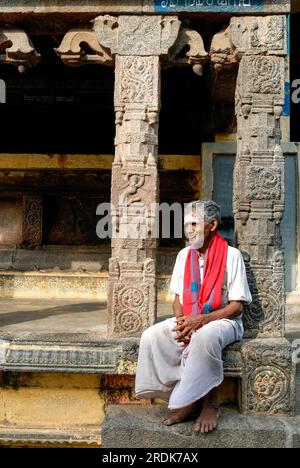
[22,435]
[124,424]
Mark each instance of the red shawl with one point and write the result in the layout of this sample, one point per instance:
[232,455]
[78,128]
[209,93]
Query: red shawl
[206,297]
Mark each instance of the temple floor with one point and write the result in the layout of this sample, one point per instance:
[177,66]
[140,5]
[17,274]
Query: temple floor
[21,318]
[25,317]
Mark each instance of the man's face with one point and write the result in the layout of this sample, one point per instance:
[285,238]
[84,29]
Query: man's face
[196,229]
[197,233]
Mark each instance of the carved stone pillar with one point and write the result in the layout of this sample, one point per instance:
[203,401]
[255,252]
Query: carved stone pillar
[139,46]
[259,171]
[138,42]
[259,192]
[259,46]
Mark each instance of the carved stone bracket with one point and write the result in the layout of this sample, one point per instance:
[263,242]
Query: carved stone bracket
[258,37]
[17,49]
[81,47]
[249,36]
[196,56]
[111,36]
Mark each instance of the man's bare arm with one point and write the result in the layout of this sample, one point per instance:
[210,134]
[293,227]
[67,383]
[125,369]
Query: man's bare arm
[231,311]
[177,307]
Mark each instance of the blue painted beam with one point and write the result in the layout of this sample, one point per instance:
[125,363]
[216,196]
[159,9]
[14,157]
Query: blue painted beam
[215,6]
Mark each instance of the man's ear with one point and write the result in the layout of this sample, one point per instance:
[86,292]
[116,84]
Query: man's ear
[214,225]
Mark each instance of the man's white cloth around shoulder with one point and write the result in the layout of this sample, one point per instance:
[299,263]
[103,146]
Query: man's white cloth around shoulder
[235,285]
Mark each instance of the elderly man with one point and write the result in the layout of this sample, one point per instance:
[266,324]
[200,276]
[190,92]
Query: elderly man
[180,359]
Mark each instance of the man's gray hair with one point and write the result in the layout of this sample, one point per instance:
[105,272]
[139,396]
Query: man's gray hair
[210,209]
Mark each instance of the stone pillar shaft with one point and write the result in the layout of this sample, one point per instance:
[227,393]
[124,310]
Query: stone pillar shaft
[137,43]
[259,169]
[135,190]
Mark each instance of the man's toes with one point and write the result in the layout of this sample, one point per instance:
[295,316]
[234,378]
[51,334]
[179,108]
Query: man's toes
[166,422]
[197,427]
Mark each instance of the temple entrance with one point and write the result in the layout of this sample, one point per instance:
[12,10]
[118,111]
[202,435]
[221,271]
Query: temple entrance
[171,111]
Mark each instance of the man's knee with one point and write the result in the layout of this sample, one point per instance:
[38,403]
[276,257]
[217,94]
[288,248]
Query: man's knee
[207,337]
[147,334]
[153,332]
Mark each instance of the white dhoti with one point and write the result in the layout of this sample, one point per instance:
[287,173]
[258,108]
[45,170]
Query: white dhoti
[183,375]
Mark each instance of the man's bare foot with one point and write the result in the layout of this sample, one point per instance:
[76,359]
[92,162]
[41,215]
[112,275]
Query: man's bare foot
[179,415]
[208,419]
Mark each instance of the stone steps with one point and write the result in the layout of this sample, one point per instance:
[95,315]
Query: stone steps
[40,436]
[127,426]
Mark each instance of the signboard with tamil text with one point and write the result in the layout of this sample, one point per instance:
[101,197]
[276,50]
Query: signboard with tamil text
[218,6]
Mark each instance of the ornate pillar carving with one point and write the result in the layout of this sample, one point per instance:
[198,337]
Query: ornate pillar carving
[261,43]
[32,221]
[137,43]
[258,47]
[259,201]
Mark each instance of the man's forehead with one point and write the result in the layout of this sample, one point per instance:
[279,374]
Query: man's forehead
[195,217]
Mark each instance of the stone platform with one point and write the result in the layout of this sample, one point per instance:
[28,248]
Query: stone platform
[56,358]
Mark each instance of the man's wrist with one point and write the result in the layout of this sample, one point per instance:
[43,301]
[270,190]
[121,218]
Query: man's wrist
[178,313]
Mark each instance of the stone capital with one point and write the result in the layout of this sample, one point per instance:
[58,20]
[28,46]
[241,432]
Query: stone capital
[137,35]
[264,35]
[249,35]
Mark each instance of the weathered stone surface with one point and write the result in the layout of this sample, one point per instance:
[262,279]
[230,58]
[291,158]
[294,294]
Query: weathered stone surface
[72,52]
[32,220]
[86,356]
[76,6]
[17,49]
[125,427]
[269,377]
[259,169]
[40,436]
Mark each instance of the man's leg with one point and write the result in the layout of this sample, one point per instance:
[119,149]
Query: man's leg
[159,361]
[202,371]
[208,419]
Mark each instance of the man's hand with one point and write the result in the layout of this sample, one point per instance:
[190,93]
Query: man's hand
[186,326]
